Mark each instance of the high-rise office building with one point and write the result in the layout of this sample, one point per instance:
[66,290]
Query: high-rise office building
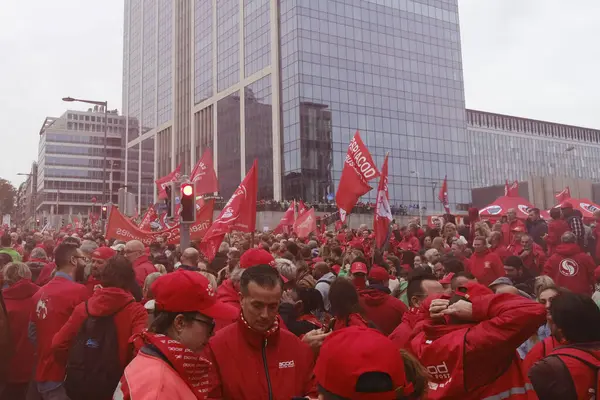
[70,162]
[289,82]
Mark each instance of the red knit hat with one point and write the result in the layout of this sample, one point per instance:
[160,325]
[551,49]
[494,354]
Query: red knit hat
[338,370]
[253,257]
[104,253]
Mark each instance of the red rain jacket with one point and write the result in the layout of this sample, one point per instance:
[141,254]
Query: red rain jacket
[507,230]
[410,242]
[571,268]
[46,274]
[19,301]
[130,318]
[383,310]
[556,228]
[142,268]
[54,304]
[486,267]
[402,334]
[227,293]
[477,360]
[501,251]
[539,351]
[246,363]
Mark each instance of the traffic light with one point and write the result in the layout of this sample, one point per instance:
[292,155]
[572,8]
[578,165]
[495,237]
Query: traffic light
[37,222]
[104,212]
[188,202]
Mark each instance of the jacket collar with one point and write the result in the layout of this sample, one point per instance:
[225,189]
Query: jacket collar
[259,339]
[141,260]
[60,274]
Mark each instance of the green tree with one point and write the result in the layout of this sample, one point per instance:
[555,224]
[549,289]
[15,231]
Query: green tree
[7,197]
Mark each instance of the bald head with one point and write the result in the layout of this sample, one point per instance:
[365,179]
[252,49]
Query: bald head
[568,237]
[190,256]
[134,249]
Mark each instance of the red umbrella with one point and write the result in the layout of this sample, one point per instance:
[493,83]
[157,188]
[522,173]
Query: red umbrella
[502,204]
[585,206]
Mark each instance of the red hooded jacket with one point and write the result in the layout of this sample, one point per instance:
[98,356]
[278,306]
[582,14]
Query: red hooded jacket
[534,261]
[486,267]
[227,293]
[571,268]
[507,230]
[473,361]
[54,304]
[19,301]
[130,318]
[46,274]
[247,363]
[556,228]
[501,251]
[402,334]
[383,310]
[142,268]
[410,242]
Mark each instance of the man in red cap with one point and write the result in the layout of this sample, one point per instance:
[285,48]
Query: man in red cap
[358,273]
[468,343]
[100,258]
[280,364]
[361,364]
[384,310]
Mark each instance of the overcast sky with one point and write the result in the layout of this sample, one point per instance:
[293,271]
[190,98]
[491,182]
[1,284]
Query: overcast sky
[532,58]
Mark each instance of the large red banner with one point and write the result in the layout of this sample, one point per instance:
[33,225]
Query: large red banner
[383,212]
[161,183]
[305,223]
[121,228]
[149,216]
[359,169]
[204,176]
[239,214]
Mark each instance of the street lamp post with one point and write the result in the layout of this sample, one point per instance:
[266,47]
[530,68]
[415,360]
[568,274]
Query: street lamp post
[419,195]
[105,105]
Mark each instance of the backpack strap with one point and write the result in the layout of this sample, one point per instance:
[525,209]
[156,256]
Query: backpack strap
[585,358]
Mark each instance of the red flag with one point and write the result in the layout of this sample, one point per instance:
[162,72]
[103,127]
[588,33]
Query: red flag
[239,214]
[564,195]
[121,228]
[149,216]
[204,175]
[302,207]
[161,183]
[359,168]
[287,221]
[443,195]
[512,190]
[383,212]
[305,224]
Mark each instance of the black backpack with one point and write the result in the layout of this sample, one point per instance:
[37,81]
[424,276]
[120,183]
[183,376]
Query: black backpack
[94,368]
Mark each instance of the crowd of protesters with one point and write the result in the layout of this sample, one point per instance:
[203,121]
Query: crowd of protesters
[482,310]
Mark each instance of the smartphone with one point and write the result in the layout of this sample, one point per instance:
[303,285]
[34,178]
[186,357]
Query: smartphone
[330,326]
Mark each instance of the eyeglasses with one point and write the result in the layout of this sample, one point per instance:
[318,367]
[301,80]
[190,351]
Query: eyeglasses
[210,324]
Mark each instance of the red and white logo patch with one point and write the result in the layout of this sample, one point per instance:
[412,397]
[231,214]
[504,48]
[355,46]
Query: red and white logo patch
[568,267]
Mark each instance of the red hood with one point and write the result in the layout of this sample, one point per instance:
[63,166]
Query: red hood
[412,316]
[568,249]
[480,255]
[109,300]
[228,294]
[23,289]
[373,297]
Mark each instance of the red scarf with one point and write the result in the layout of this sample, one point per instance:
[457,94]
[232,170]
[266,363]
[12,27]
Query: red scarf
[194,371]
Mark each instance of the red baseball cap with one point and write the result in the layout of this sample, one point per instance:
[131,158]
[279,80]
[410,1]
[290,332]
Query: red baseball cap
[336,269]
[252,257]
[446,280]
[358,267]
[104,253]
[338,370]
[187,291]
[378,274]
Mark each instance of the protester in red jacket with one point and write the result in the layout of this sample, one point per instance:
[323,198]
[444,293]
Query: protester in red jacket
[114,299]
[55,303]
[497,247]
[571,371]
[409,240]
[384,310]
[532,254]
[136,253]
[485,265]
[45,275]
[100,258]
[511,226]
[421,284]
[19,300]
[556,227]
[468,343]
[570,267]
[281,366]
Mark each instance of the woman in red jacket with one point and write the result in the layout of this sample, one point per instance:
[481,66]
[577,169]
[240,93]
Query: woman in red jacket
[113,299]
[18,298]
[345,306]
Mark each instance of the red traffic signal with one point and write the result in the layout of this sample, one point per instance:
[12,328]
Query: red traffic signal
[188,203]
[187,189]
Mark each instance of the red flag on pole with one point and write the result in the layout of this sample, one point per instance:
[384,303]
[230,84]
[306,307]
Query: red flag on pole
[443,195]
[239,214]
[512,190]
[383,212]
[204,175]
[287,221]
[149,216]
[359,169]
[161,183]
[305,223]
[302,207]
[564,195]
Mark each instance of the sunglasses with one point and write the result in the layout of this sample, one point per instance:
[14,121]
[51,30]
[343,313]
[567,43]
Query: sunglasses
[210,324]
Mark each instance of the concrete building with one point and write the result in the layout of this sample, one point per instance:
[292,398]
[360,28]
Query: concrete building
[24,214]
[70,162]
[289,82]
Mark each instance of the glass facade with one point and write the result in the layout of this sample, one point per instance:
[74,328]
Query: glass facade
[257,36]
[165,44]
[228,144]
[147,172]
[228,43]
[203,50]
[391,70]
[522,148]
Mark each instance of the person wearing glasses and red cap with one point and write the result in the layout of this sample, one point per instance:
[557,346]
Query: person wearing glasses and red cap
[468,343]
[358,363]
[100,258]
[169,364]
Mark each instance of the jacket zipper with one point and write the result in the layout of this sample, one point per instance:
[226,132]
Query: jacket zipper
[264,357]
